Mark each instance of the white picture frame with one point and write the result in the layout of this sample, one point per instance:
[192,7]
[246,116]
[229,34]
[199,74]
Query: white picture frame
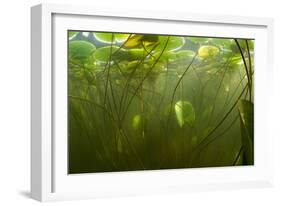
[49,178]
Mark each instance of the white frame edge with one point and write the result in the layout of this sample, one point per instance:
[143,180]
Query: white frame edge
[41,77]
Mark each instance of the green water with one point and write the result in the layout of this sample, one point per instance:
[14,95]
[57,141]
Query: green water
[143,102]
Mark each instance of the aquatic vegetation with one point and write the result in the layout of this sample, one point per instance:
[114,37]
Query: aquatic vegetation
[184,113]
[146,101]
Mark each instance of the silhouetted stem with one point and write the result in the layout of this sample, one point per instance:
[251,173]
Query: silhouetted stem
[246,68]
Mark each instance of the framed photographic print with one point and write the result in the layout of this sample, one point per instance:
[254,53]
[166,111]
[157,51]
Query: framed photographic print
[137,102]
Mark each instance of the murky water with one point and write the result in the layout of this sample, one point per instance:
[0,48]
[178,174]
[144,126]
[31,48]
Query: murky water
[141,102]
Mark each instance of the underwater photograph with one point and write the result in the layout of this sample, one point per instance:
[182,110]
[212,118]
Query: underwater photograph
[156,101]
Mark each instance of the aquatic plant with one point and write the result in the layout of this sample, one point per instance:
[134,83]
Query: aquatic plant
[145,101]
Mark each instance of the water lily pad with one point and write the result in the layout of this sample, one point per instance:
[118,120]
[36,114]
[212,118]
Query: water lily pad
[184,113]
[198,39]
[208,51]
[141,40]
[136,54]
[222,43]
[174,43]
[121,37]
[103,54]
[185,54]
[81,50]
[166,56]
[104,37]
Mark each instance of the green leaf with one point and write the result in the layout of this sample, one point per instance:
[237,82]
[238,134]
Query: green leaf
[185,54]
[135,54]
[167,56]
[81,50]
[208,51]
[198,39]
[121,37]
[137,121]
[104,37]
[185,113]
[222,43]
[103,53]
[174,43]
[246,114]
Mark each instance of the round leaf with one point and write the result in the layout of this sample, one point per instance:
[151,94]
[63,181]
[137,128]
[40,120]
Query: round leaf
[174,43]
[137,121]
[208,51]
[104,37]
[184,113]
[103,54]
[185,54]
[80,50]
[121,37]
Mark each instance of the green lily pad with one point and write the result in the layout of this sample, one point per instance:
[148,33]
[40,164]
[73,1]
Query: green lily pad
[103,54]
[121,37]
[135,54]
[208,51]
[198,39]
[184,113]
[166,56]
[174,43]
[81,50]
[185,54]
[104,37]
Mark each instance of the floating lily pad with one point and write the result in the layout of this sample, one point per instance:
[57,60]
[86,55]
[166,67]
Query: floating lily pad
[222,43]
[184,113]
[121,37]
[185,54]
[103,54]
[174,43]
[136,54]
[166,56]
[208,51]
[81,50]
[141,40]
[104,37]
[198,39]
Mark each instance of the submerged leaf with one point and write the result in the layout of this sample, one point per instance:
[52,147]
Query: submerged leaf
[246,114]
[185,113]
[136,121]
